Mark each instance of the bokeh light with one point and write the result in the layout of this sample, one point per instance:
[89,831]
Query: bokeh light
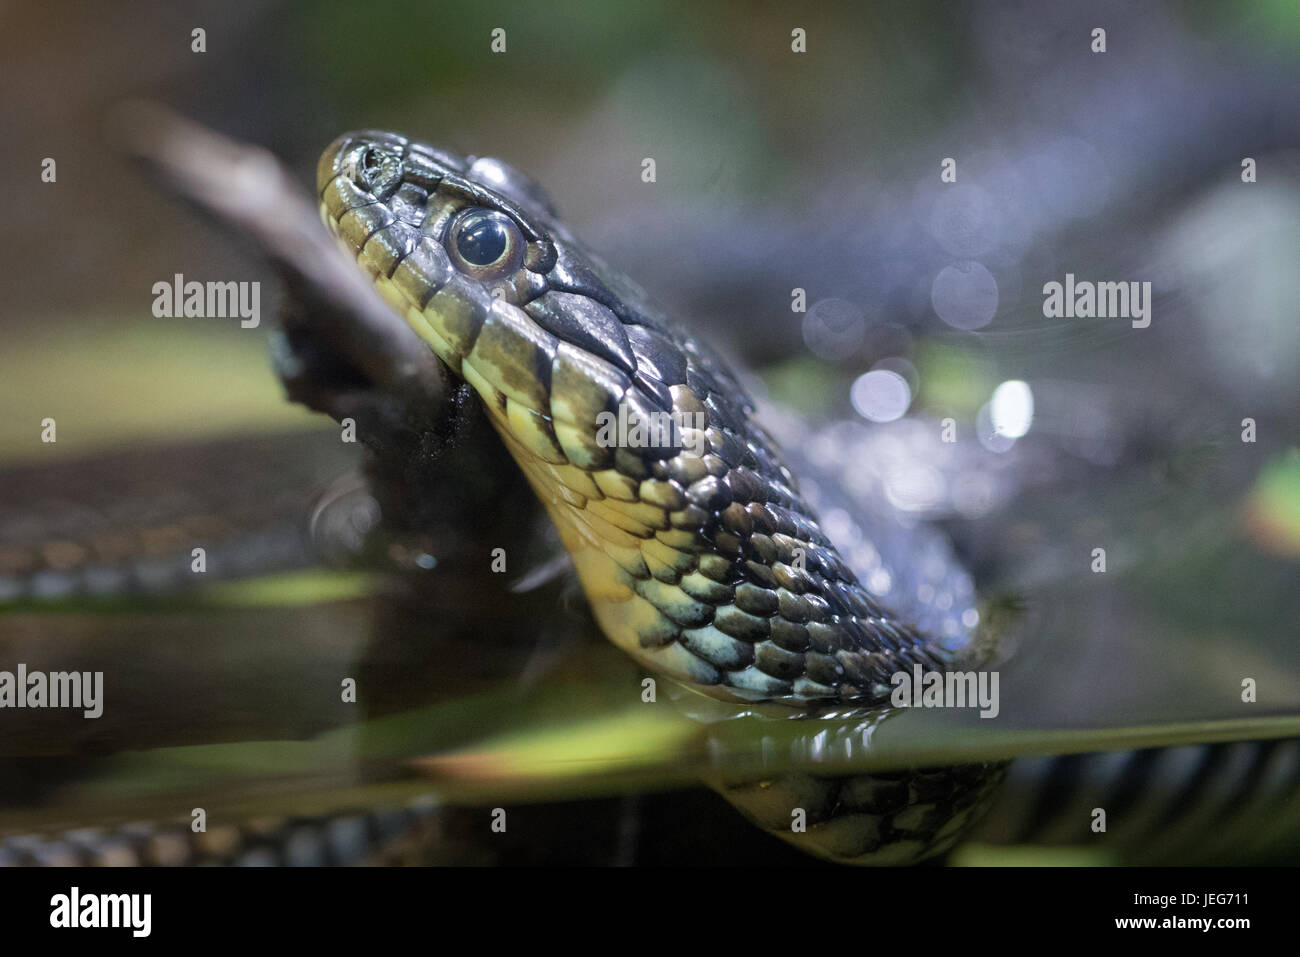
[1012,408]
[834,328]
[880,395]
[965,295]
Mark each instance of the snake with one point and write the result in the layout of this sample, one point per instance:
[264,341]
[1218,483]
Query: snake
[699,546]
[695,541]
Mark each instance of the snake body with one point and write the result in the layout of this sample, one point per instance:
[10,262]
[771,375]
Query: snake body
[699,553]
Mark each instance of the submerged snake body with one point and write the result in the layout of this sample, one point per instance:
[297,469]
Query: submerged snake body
[699,554]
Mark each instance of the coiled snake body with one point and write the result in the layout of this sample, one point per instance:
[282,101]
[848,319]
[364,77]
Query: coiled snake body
[700,555]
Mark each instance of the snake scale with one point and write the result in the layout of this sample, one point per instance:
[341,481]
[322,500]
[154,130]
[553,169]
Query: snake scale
[698,551]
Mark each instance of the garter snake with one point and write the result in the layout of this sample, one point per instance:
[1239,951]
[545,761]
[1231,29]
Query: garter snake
[698,551]
[890,594]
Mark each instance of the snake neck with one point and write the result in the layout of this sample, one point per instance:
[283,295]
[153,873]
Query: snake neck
[709,567]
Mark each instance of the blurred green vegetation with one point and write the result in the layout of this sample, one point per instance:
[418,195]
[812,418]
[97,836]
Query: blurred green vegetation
[110,381]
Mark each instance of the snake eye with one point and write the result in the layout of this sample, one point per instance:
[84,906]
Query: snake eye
[485,243]
[378,171]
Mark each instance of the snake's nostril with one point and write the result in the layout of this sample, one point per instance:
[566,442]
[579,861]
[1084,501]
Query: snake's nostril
[373,168]
[371,159]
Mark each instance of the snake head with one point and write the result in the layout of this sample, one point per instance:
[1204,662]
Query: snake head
[472,254]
